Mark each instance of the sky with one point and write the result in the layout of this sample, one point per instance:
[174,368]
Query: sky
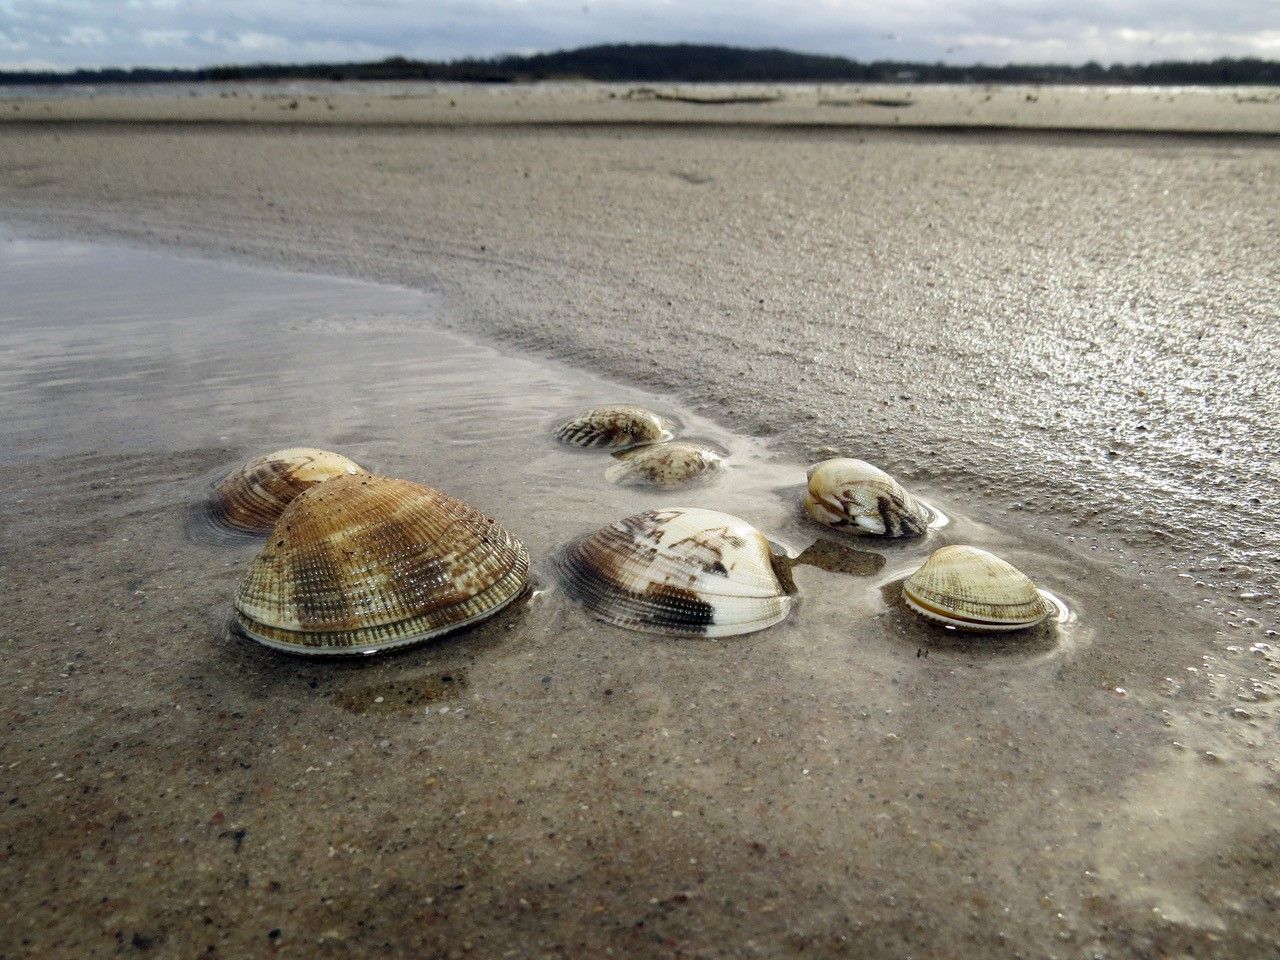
[63,34]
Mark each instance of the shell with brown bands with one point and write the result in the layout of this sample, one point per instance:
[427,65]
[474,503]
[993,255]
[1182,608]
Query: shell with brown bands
[253,496]
[854,496]
[364,563]
[615,426]
[682,571]
[670,464]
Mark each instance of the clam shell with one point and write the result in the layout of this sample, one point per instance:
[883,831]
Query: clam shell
[618,426]
[855,496]
[670,464]
[682,571]
[972,589]
[365,563]
[253,496]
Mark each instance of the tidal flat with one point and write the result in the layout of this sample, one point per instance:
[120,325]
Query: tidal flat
[850,782]
[1065,342]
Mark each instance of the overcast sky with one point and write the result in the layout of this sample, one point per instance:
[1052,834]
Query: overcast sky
[39,34]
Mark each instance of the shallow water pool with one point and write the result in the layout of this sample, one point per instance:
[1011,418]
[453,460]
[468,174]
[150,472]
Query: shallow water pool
[851,781]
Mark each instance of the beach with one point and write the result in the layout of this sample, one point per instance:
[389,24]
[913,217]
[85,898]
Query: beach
[1062,331]
[1192,111]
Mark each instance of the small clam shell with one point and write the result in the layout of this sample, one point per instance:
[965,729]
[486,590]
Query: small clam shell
[855,496]
[620,426]
[971,589]
[365,563]
[670,464]
[253,496]
[682,571]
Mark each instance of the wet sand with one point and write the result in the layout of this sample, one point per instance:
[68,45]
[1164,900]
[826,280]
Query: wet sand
[1077,330]
[1072,353]
[849,782]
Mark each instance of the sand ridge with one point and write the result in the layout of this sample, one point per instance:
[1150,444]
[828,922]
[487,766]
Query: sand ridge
[1186,110]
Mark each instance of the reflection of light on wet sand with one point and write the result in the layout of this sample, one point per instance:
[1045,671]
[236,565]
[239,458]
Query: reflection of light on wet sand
[1165,847]
[1155,850]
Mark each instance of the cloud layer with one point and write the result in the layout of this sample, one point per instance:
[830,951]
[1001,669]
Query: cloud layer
[39,34]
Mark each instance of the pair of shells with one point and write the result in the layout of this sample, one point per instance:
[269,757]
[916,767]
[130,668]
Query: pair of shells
[853,495]
[959,586]
[252,497]
[970,589]
[681,571]
[651,457]
[687,571]
[362,563]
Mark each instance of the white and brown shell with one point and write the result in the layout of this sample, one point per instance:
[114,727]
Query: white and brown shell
[253,496]
[682,571]
[670,464]
[366,563]
[971,589]
[855,496]
[616,426]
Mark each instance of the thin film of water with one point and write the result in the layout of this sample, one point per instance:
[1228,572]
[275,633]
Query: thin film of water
[201,365]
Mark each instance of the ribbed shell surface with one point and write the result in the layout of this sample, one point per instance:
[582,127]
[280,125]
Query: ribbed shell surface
[677,571]
[253,496]
[618,426]
[671,464]
[972,589]
[368,563]
[854,495]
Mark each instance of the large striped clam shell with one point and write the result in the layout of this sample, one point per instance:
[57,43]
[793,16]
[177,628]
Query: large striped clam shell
[682,571]
[855,496]
[617,426]
[365,563]
[971,589]
[671,464]
[253,496]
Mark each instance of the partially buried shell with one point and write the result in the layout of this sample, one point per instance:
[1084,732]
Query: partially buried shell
[855,496]
[618,426]
[253,496]
[682,571]
[671,464]
[971,589]
[366,563]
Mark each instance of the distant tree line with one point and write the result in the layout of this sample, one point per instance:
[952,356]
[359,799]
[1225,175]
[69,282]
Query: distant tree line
[656,63]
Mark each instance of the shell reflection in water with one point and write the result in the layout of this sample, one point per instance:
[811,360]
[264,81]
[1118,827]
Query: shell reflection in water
[364,563]
[853,495]
[617,426]
[253,496]
[971,589]
[683,572]
[671,464]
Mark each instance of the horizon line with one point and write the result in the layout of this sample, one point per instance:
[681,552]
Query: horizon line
[511,58]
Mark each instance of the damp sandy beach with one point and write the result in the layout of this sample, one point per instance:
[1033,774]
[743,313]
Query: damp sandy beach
[1061,330]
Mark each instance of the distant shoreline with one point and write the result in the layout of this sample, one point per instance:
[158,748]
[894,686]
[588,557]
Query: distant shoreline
[926,108]
[684,63]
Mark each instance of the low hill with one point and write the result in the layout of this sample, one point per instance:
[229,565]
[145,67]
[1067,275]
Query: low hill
[676,63]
